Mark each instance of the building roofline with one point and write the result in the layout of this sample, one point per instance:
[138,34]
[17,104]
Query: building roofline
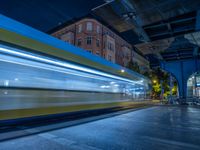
[98,19]
[88,16]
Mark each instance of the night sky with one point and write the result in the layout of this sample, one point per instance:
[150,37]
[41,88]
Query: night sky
[46,14]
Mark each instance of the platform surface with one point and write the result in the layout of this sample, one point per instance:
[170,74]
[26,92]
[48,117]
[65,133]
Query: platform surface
[155,128]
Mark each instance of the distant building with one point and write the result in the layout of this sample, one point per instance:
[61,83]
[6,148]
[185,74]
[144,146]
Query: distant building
[96,38]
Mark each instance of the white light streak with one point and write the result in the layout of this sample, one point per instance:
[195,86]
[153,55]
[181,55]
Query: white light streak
[14,52]
[6,83]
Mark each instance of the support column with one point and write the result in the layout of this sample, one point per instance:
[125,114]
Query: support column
[181,70]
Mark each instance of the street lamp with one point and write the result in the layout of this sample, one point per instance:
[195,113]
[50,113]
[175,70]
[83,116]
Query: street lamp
[154,81]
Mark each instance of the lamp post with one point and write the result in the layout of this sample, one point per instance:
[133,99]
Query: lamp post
[154,81]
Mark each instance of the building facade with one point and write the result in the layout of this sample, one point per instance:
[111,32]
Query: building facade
[92,36]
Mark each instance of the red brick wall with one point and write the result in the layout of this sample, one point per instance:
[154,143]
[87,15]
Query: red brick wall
[119,42]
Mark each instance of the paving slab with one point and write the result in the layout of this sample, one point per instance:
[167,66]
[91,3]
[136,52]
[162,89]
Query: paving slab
[155,128]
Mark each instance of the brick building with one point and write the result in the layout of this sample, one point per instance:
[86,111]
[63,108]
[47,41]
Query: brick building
[96,38]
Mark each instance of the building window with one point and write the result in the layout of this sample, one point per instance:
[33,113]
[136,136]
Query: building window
[109,58]
[97,52]
[89,26]
[98,29]
[104,44]
[90,51]
[89,40]
[97,42]
[79,28]
[110,46]
[79,42]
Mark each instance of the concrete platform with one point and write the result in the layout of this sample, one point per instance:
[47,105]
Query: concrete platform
[155,128]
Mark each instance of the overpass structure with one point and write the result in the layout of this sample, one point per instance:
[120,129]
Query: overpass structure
[182,62]
[167,32]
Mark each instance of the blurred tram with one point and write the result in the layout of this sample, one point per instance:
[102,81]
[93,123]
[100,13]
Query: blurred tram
[41,75]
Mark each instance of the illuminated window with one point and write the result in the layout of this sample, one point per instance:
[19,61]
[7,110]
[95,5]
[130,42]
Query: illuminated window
[89,26]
